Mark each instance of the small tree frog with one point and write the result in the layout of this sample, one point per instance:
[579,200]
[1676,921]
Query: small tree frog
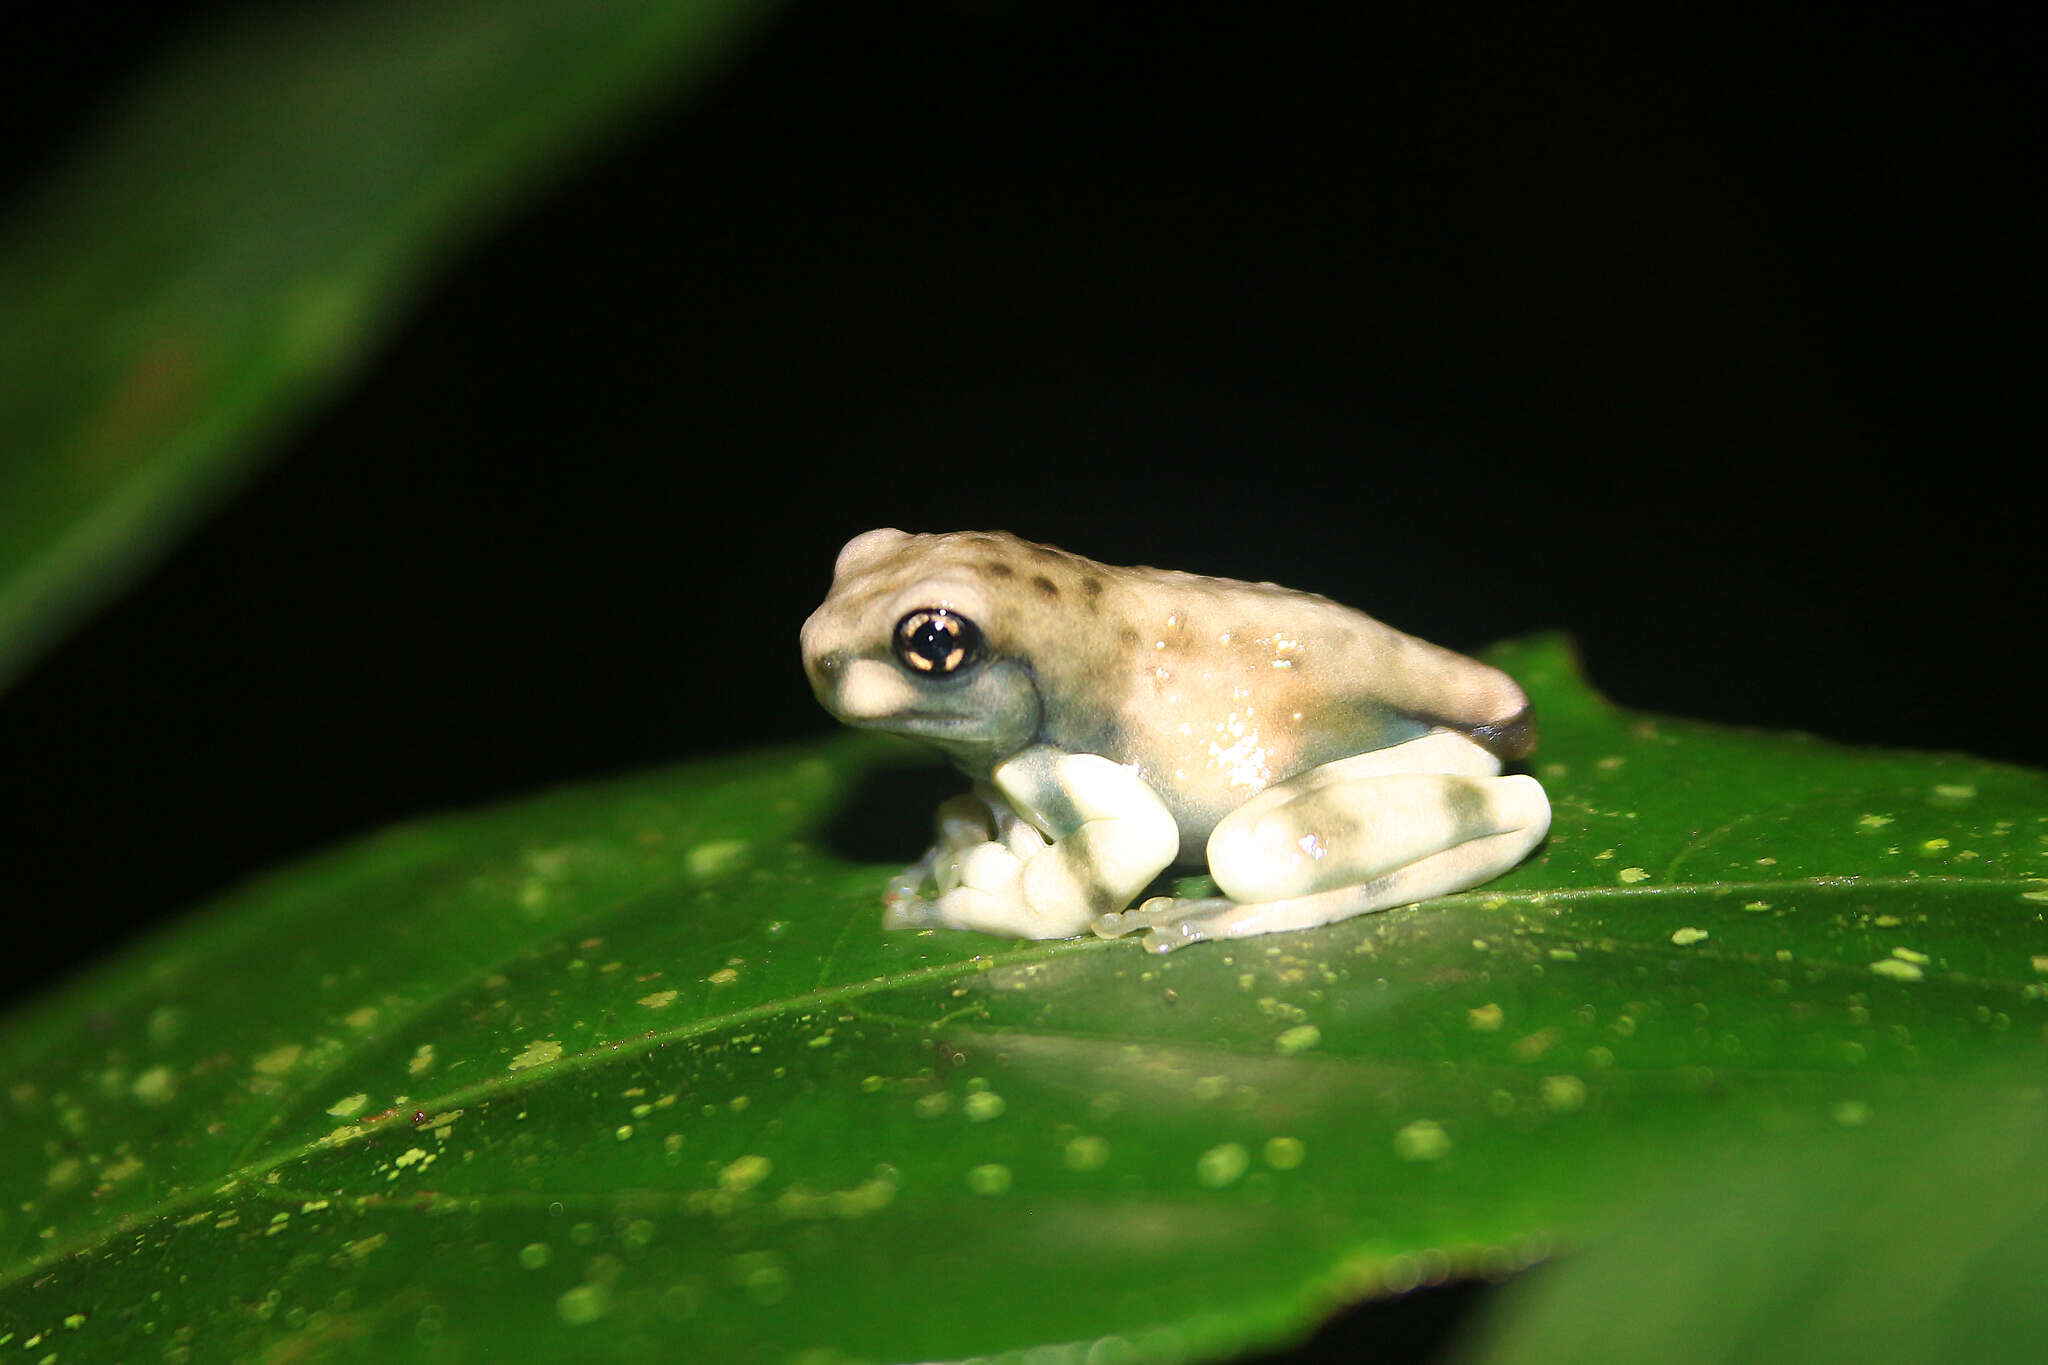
[1118,720]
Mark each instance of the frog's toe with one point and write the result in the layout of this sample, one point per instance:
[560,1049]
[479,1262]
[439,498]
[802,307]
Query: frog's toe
[1165,938]
[1117,923]
[911,912]
[1167,921]
[990,868]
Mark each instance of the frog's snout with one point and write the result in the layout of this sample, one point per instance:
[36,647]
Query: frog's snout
[825,669]
[811,640]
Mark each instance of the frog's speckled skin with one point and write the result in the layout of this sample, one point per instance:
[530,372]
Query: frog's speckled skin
[1206,691]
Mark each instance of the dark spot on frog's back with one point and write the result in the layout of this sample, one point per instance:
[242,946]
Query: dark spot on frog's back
[1091,588]
[1128,636]
[995,568]
[1047,589]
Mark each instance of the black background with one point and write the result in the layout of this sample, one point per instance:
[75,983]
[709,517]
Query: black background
[1708,334]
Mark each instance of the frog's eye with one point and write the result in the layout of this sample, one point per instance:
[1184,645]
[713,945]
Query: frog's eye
[933,640]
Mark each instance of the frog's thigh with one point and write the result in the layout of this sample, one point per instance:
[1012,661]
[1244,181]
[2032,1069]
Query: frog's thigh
[1404,835]
[1440,751]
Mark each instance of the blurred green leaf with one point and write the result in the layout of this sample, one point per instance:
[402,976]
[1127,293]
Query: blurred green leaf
[230,247]
[631,1067]
[1922,1243]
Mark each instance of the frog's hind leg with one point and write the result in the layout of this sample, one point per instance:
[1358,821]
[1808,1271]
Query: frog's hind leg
[1335,843]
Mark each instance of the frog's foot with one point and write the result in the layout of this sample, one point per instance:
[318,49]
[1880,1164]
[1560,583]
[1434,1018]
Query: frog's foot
[1172,922]
[1392,839]
[1067,836]
[977,869]
[1015,889]
[962,825]
[1167,921]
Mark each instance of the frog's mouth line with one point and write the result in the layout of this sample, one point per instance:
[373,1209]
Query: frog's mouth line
[922,719]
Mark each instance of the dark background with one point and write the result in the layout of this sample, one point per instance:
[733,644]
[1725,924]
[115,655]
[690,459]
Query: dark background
[1710,335]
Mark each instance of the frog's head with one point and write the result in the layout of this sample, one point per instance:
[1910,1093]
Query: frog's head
[916,638]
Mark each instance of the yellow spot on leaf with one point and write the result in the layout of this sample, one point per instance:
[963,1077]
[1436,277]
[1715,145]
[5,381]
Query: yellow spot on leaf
[361,1247]
[993,1178]
[278,1060]
[154,1086]
[1422,1140]
[536,1054]
[1300,1038]
[1284,1153]
[584,1304]
[1086,1153]
[710,859]
[1221,1166]
[1563,1094]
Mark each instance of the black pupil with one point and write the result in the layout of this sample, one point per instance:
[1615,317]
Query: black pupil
[934,642]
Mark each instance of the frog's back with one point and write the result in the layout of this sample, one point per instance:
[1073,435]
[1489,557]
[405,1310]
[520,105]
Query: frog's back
[1229,687]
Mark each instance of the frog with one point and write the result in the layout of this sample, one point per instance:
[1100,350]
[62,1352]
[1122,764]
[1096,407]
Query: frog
[1115,722]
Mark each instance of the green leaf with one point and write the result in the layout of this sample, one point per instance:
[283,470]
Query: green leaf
[226,252]
[630,1065]
[1927,1242]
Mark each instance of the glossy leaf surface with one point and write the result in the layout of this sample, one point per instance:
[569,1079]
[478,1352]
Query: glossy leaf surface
[629,1068]
[229,247]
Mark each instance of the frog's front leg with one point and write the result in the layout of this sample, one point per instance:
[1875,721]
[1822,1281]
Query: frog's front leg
[1084,836]
[1352,837]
